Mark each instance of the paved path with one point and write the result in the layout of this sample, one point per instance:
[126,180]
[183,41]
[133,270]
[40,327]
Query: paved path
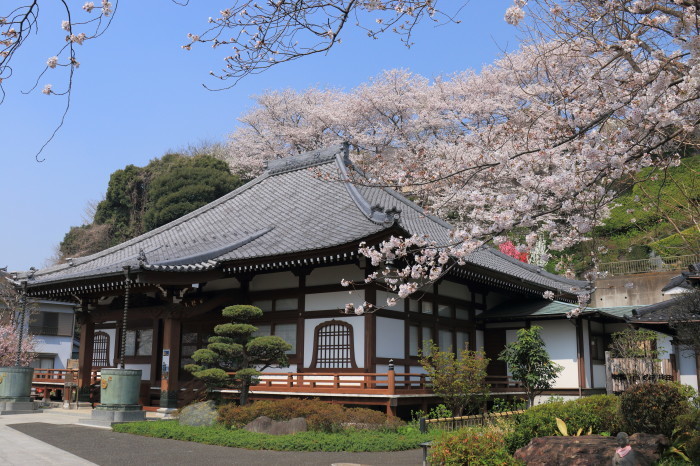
[53,438]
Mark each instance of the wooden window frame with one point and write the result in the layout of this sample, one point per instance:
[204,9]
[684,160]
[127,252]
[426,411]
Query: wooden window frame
[106,348]
[351,349]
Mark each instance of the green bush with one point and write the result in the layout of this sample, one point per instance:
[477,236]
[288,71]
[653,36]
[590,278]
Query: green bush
[653,407]
[320,415]
[598,413]
[351,441]
[688,434]
[473,446]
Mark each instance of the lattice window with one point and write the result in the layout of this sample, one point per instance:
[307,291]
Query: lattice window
[100,350]
[334,346]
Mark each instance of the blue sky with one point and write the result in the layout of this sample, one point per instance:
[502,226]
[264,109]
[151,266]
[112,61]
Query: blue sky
[137,94]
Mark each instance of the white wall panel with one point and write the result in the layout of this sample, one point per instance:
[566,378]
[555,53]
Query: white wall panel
[334,300]
[333,275]
[273,281]
[390,338]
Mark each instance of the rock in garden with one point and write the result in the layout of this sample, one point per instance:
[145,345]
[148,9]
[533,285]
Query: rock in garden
[589,449]
[265,425]
[199,414]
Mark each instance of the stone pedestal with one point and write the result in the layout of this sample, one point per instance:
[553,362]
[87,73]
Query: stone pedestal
[15,388]
[119,396]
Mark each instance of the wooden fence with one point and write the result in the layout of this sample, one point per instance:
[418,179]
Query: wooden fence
[455,423]
[623,372]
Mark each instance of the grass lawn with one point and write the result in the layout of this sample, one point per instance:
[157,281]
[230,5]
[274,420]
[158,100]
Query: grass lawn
[351,440]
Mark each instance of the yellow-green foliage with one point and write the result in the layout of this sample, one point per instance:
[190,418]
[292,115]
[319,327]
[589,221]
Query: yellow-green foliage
[472,446]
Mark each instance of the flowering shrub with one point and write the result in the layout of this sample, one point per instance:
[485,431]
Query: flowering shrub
[509,248]
[653,407]
[320,416]
[473,446]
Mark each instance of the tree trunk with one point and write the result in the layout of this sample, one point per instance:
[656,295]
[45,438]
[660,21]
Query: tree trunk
[244,393]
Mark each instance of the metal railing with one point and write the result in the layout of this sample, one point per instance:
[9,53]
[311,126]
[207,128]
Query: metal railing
[653,264]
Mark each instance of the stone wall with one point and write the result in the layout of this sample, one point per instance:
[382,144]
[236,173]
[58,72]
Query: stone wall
[645,289]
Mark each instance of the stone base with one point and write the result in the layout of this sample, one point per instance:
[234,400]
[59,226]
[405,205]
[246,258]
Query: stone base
[18,407]
[166,413]
[109,417]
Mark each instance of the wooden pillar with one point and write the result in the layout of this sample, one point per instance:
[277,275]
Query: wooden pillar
[87,338]
[170,363]
[580,356]
[371,330]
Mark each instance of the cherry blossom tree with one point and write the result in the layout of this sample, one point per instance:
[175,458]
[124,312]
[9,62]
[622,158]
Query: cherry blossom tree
[10,307]
[535,141]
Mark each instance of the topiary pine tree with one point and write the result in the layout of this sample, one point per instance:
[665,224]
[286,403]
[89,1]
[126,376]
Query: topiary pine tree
[529,363]
[235,349]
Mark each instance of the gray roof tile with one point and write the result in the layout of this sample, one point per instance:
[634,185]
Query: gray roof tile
[298,204]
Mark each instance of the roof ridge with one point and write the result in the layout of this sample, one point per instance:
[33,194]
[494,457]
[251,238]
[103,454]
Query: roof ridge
[160,229]
[305,160]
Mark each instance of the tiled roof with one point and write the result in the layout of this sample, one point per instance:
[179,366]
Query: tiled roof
[298,204]
[548,309]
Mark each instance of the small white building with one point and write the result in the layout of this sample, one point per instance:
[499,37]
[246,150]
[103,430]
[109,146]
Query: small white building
[52,327]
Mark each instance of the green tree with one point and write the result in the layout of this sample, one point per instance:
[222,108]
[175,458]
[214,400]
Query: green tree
[459,381]
[234,349]
[139,199]
[529,363]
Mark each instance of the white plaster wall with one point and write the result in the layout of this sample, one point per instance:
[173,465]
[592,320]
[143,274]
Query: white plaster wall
[113,355]
[358,331]
[688,369]
[334,300]
[145,370]
[586,353]
[598,375]
[560,339]
[222,284]
[390,338]
[383,296]
[333,275]
[61,346]
[454,290]
[479,340]
[663,344]
[272,281]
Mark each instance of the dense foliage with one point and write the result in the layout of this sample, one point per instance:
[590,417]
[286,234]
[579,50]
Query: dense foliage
[529,363]
[352,440]
[653,407]
[598,413]
[459,380]
[319,415]
[139,199]
[234,349]
[472,446]
[688,434]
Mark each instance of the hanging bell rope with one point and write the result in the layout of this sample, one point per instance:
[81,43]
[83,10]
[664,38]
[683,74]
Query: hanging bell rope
[127,283]
[21,322]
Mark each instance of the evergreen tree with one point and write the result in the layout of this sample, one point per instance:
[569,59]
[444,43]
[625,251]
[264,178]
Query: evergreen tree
[139,199]
[529,363]
[235,349]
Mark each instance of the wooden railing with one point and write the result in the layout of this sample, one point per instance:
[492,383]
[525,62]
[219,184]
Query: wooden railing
[654,264]
[60,376]
[503,384]
[639,370]
[346,383]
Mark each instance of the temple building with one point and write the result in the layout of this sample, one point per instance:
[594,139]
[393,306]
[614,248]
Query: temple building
[283,242]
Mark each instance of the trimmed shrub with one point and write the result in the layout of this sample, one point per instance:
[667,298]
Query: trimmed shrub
[653,407]
[598,413]
[473,446]
[319,415]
